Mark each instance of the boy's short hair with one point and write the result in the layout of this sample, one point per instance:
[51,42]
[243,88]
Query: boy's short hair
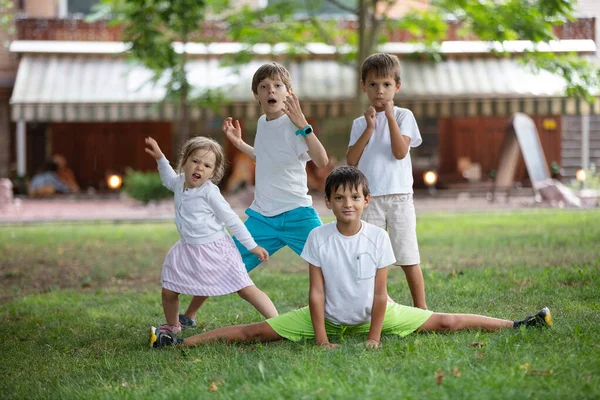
[382,65]
[271,70]
[346,177]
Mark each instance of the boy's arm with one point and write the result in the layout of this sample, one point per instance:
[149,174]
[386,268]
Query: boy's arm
[315,148]
[400,143]
[316,304]
[233,131]
[355,151]
[379,306]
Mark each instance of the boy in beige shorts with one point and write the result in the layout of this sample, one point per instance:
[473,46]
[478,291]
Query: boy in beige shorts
[348,261]
[379,146]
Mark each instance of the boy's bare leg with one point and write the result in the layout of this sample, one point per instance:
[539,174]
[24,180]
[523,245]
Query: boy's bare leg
[259,300]
[170,301]
[257,332]
[439,322]
[194,306]
[416,284]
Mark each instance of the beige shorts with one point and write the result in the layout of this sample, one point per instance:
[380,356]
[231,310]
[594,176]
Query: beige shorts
[396,214]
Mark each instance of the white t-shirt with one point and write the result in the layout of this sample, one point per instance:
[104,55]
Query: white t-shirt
[349,264]
[386,174]
[201,214]
[281,158]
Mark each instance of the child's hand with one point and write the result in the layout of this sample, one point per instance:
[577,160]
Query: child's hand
[371,117]
[329,345]
[262,254]
[389,108]
[232,130]
[154,150]
[292,109]
[371,344]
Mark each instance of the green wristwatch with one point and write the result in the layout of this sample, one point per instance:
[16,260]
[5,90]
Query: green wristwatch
[307,130]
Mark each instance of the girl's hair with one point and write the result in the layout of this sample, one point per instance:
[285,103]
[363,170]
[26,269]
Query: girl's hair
[271,70]
[382,65]
[208,144]
[346,177]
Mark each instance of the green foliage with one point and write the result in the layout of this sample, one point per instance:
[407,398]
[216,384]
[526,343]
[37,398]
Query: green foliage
[104,280]
[145,186]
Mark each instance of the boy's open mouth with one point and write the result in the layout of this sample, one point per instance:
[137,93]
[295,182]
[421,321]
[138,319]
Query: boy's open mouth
[271,101]
[196,176]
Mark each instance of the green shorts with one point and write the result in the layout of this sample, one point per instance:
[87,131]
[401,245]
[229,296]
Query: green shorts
[399,320]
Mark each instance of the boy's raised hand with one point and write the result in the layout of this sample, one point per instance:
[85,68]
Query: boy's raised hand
[263,255]
[232,130]
[389,108]
[370,116]
[154,149]
[293,110]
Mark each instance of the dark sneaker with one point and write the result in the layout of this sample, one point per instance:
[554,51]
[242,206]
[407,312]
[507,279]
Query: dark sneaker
[539,320]
[186,322]
[160,338]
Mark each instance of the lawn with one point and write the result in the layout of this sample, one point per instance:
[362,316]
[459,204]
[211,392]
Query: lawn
[76,302]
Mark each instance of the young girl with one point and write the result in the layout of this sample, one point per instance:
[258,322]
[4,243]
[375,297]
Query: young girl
[205,262]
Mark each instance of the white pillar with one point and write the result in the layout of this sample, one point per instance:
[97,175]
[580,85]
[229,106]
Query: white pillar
[585,141]
[21,149]
[63,9]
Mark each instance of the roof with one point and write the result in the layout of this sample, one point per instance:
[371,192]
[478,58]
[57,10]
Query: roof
[104,87]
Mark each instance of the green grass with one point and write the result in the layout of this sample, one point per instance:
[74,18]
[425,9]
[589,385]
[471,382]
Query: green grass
[76,302]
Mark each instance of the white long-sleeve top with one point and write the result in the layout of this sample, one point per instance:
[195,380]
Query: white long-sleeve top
[201,214]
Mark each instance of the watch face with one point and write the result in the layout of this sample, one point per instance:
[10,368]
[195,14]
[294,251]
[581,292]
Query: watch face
[308,130]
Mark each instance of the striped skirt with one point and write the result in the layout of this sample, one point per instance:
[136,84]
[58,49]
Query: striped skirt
[210,269]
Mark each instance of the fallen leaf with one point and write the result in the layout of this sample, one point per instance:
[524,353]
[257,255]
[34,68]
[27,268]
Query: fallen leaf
[214,387]
[197,360]
[525,366]
[439,376]
[124,384]
[480,355]
[478,345]
[456,372]
[587,376]
[535,372]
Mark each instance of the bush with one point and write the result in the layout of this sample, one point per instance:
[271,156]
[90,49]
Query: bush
[145,186]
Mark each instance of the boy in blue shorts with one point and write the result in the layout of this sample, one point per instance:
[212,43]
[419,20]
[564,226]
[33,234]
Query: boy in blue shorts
[348,262]
[379,146]
[281,213]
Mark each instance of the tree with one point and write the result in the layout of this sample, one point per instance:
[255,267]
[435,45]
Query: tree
[152,27]
[296,21]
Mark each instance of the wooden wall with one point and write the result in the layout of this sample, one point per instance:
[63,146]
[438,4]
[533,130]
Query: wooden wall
[94,150]
[479,138]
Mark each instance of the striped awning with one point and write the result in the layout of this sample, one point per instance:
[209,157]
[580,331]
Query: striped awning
[63,88]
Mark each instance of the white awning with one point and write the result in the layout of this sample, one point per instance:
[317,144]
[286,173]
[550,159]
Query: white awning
[111,88]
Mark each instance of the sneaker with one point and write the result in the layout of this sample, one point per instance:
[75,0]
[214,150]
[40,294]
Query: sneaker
[160,338]
[186,322]
[539,320]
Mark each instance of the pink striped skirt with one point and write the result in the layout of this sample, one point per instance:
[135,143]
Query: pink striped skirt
[210,269]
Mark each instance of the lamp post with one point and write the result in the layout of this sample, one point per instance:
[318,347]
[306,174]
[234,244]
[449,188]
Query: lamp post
[581,177]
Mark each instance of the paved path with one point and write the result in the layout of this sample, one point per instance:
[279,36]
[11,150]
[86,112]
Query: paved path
[68,209]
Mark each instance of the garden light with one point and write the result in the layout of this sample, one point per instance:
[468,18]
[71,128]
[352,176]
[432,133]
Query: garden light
[581,175]
[114,181]
[430,178]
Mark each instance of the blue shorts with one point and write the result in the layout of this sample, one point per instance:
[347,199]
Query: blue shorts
[290,228]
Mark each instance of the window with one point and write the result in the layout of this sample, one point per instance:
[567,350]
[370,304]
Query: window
[81,6]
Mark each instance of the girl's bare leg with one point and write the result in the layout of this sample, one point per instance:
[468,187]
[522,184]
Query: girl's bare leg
[194,306]
[170,301]
[257,332]
[259,300]
[439,322]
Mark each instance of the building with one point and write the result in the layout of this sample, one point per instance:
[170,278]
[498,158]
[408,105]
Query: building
[75,94]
